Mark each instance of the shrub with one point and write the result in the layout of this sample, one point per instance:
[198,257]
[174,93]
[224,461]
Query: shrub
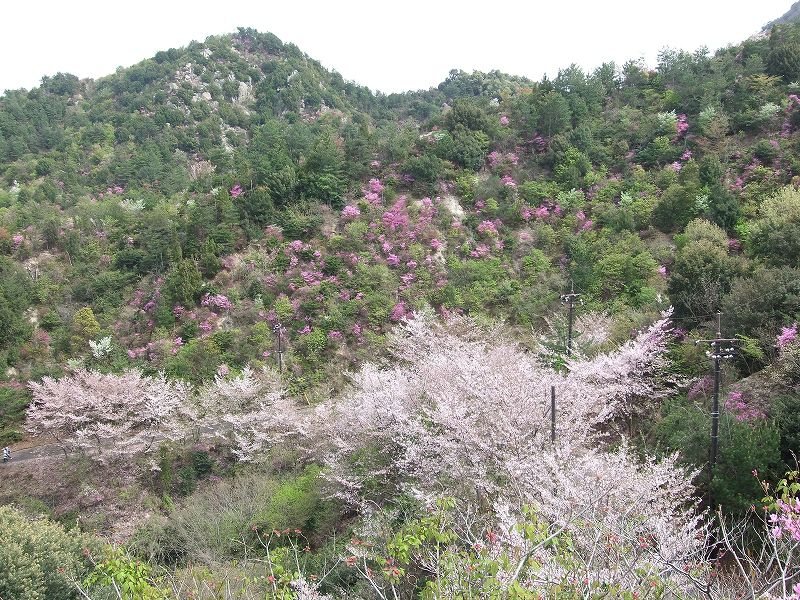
[39,559]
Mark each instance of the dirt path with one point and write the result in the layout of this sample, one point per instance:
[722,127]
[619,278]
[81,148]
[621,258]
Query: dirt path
[40,452]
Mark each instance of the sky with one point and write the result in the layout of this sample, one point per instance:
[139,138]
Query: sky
[387,46]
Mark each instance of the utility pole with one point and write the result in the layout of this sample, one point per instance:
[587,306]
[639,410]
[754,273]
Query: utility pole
[570,300]
[553,414]
[279,333]
[721,348]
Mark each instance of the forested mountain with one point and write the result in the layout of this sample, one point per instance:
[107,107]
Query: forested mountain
[233,207]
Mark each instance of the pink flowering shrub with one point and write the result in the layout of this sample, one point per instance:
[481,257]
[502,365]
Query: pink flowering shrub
[236,191]
[741,409]
[217,301]
[487,228]
[787,335]
[350,211]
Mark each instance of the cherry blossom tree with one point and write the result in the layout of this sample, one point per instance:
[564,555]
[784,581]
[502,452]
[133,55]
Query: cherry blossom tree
[114,416]
[464,413]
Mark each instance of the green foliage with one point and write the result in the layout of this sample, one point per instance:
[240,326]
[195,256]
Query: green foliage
[117,572]
[40,559]
[775,236]
[183,284]
[84,328]
[13,403]
[703,273]
[296,504]
[786,411]
[196,362]
[743,447]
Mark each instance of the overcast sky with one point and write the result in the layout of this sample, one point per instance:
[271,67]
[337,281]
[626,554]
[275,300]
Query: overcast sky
[388,46]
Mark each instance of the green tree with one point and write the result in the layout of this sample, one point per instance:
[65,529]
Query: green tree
[183,284]
[84,328]
[40,559]
[703,272]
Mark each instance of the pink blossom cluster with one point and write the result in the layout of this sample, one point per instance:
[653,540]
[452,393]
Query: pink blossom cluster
[682,125]
[795,592]
[312,277]
[488,228]
[495,159]
[504,120]
[398,312]
[397,216]
[17,240]
[539,143]
[787,335]
[217,300]
[112,191]
[508,181]
[742,410]
[480,251]
[350,211]
[785,522]
[375,186]
[236,191]
[584,224]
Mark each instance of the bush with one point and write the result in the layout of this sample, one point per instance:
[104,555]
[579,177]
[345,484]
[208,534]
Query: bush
[296,504]
[39,559]
[743,447]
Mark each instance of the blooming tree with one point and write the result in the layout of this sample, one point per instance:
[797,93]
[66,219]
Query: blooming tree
[464,413]
[113,415]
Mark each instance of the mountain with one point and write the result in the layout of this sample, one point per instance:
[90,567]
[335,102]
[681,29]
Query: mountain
[791,15]
[310,341]
[170,215]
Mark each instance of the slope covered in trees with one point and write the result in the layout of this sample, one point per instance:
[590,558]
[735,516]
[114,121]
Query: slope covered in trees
[203,244]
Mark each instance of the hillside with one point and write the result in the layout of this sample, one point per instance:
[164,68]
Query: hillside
[233,280]
[791,15]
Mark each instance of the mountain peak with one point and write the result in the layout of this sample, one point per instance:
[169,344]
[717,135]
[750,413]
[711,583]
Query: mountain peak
[791,15]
